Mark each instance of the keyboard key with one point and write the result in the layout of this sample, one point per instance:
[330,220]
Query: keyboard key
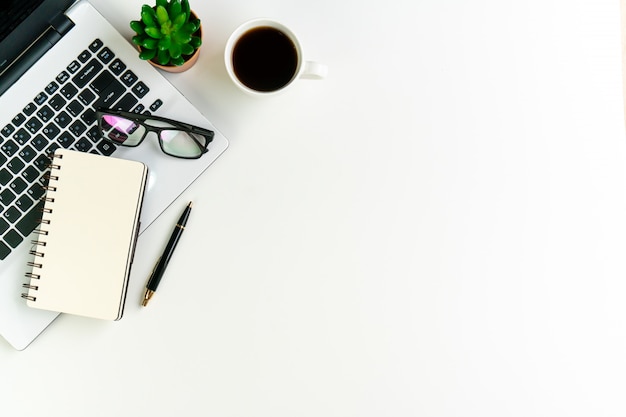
[140,89]
[30,174]
[51,131]
[62,77]
[51,149]
[41,98]
[88,116]
[36,191]
[21,136]
[18,185]
[94,134]
[15,165]
[52,87]
[84,56]
[30,220]
[110,95]
[45,113]
[19,119]
[27,153]
[5,176]
[140,107]
[33,125]
[69,91]
[4,250]
[57,102]
[62,119]
[9,148]
[4,226]
[117,67]
[65,140]
[106,55]
[126,103]
[39,142]
[6,197]
[75,108]
[29,109]
[105,148]
[73,67]
[77,128]
[87,73]
[83,145]
[13,238]
[129,78]
[11,215]
[155,106]
[7,130]
[86,96]
[101,82]
[24,203]
[41,162]
[95,45]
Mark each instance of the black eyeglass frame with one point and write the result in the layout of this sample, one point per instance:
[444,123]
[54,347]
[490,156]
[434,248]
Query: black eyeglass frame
[142,118]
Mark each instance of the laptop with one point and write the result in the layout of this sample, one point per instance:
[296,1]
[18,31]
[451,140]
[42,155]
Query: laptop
[59,60]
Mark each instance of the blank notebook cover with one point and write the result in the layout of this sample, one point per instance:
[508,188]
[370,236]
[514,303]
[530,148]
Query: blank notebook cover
[87,235]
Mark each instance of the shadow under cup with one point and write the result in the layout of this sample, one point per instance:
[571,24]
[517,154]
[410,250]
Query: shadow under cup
[263,56]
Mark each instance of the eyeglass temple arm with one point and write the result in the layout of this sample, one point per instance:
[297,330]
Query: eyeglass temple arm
[137,117]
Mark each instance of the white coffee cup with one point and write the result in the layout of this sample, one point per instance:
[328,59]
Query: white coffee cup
[264,57]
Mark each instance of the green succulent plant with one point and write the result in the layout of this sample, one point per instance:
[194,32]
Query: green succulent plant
[166,32]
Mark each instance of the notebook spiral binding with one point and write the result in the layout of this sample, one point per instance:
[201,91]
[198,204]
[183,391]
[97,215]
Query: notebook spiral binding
[38,251]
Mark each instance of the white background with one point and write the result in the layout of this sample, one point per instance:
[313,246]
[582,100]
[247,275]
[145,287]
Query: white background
[436,229]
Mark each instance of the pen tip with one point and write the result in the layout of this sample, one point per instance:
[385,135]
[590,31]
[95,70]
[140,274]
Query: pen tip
[190,204]
[148,295]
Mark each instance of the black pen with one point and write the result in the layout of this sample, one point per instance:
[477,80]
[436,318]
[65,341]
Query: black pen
[159,268]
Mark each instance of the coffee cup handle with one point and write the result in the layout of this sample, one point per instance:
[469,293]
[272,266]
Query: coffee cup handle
[314,70]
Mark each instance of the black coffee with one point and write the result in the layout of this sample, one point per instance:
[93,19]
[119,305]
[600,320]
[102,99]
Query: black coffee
[265,59]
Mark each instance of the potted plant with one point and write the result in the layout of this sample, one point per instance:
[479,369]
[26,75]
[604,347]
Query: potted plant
[168,35]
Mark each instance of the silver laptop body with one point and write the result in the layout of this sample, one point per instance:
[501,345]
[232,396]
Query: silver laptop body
[168,176]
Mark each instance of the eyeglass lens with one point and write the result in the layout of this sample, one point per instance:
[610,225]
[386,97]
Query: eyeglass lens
[173,141]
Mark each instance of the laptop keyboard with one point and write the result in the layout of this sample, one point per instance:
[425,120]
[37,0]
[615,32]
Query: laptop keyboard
[61,115]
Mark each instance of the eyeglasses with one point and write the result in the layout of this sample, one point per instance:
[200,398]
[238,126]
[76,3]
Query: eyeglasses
[177,139]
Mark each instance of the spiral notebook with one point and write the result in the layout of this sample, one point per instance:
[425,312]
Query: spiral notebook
[85,245]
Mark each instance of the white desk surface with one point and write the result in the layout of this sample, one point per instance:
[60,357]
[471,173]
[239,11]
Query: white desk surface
[436,229]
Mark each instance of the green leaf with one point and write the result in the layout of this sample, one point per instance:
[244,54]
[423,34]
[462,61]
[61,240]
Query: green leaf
[138,27]
[185,6]
[179,21]
[138,40]
[150,43]
[189,27]
[175,51]
[163,57]
[147,54]
[162,15]
[178,61]
[165,43]
[175,9]
[153,32]
[182,37]
[161,3]
[148,16]
[187,49]
[195,41]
